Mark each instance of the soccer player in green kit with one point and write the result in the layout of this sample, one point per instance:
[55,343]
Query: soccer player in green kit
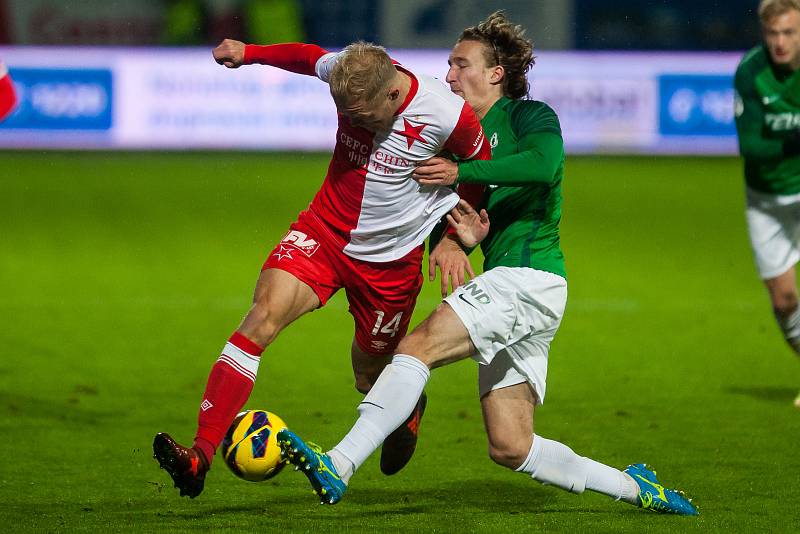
[506,317]
[768,122]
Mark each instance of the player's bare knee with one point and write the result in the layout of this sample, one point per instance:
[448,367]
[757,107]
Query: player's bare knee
[368,366]
[508,454]
[363,383]
[425,343]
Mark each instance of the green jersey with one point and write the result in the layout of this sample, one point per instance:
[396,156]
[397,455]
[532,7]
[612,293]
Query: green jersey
[523,181]
[767,110]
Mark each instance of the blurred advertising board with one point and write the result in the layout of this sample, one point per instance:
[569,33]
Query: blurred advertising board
[179,98]
[183,99]
[696,104]
[61,99]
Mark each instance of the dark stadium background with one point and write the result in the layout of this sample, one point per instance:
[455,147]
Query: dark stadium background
[589,24]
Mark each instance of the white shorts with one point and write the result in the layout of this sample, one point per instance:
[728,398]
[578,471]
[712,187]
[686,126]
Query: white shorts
[512,315]
[773,222]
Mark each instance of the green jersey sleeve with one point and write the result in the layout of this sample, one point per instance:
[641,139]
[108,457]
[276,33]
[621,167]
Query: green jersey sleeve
[540,151]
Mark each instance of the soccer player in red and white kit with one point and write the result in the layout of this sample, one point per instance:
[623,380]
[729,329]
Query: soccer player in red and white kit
[8,98]
[364,232]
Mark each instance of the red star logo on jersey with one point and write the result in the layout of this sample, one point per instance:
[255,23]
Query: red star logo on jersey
[411,133]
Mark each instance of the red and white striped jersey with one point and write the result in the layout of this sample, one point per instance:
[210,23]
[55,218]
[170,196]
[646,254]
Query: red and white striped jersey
[368,196]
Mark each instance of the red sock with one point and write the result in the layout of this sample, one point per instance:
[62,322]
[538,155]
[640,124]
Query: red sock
[229,385]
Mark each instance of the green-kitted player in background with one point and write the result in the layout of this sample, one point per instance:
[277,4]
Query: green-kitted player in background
[768,122]
[506,317]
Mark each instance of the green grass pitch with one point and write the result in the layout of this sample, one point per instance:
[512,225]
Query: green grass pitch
[121,276]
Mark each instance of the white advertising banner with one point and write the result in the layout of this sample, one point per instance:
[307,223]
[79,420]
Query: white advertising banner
[148,98]
[184,99]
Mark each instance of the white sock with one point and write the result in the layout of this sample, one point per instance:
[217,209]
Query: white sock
[390,401]
[343,466]
[551,462]
[612,482]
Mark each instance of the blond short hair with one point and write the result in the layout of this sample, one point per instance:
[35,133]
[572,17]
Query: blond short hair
[768,9]
[361,73]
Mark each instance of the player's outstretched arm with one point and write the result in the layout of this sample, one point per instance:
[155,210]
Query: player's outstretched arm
[470,226]
[300,58]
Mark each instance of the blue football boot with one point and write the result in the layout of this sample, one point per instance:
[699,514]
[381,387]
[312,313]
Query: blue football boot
[653,496]
[315,464]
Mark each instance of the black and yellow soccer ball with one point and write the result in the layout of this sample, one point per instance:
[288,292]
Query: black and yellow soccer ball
[250,447]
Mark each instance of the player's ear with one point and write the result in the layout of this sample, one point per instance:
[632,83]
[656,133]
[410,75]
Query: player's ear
[498,73]
[394,94]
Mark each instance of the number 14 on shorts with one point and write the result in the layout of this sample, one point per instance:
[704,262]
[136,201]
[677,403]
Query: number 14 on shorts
[390,328]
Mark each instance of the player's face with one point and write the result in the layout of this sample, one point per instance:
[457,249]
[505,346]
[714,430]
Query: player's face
[469,76]
[782,37]
[375,116]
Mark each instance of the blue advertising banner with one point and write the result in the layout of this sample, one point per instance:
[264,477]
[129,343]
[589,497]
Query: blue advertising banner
[61,99]
[696,105]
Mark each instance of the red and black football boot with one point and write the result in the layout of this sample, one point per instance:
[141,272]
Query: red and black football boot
[399,446]
[187,466]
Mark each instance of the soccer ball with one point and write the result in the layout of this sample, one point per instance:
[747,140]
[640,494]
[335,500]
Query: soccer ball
[250,448]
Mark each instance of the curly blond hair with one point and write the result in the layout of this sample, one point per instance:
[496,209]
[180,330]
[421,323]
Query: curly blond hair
[360,74]
[505,45]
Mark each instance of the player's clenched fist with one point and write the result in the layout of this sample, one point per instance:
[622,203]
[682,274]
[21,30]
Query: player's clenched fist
[229,53]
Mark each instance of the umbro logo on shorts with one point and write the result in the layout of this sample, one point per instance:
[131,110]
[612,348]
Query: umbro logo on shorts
[378,345]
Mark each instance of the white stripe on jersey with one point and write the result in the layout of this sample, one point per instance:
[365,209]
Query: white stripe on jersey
[397,214]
